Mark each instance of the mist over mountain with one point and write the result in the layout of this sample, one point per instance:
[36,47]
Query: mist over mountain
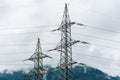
[79,73]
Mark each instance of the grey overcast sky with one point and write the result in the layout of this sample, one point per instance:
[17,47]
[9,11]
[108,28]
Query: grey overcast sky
[47,15]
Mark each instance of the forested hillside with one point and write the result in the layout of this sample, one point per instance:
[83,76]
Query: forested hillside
[79,73]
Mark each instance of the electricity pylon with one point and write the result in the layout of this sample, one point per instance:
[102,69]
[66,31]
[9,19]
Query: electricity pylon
[65,46]
[37,58]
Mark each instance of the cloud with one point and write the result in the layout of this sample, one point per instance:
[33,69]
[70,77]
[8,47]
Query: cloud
[32,13]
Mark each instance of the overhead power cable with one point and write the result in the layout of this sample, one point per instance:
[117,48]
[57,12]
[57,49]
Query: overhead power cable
[15,53]
[24,33]
[106,46]
[47,26]
[57,55]
[98,28]
[86,55]
[103,29]
[25,44]
[55,44]
[96,37]
[113,69]
[14,28]
[102,46]
[99,38]
[100,58]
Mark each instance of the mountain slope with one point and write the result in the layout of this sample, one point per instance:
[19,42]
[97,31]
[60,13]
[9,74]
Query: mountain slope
[83,72]
[80,72]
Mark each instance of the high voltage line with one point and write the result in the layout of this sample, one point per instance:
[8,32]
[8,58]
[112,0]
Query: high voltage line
[25,44]
[98,28]
[58,59]
[24,33]
[46,26]
[108,30]
[101,58]
[74,53]
[12,45]
[72,32]
[102,46]
[57,55]
[55,64]
[96,37]
[14,28]
[99,38]
[77,34]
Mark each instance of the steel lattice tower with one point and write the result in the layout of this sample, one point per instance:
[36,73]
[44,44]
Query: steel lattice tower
[37,58]
[65,46]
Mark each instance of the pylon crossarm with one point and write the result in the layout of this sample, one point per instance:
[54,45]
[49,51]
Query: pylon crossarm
[45,56]
[80,24]
[70,24]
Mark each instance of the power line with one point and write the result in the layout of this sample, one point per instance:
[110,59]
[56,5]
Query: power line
[96,37]
[15,53]
[98,28]
[104,29]
[25,44]
[54,64]
[106,46]
[48,32]
[24,33]
[99,66]
[55,44]
[57,55]
[102,46]
[97,62]
[100,39]
[101,58]
[44,26]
